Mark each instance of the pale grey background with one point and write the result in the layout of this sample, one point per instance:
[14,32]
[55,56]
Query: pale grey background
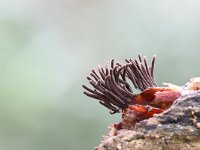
[48,47]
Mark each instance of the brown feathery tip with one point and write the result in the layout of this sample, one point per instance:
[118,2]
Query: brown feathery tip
[110,87]
[140,73]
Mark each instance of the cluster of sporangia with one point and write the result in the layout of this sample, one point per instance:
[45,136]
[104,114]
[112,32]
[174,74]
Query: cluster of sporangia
[111,87]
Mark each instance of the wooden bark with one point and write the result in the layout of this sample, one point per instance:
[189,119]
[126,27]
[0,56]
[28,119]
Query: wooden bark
[176,129]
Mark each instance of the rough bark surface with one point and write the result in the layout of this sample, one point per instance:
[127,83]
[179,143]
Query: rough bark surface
[176,129]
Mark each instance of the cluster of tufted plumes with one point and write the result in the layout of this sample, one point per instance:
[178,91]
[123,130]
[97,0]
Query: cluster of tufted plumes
[111,86]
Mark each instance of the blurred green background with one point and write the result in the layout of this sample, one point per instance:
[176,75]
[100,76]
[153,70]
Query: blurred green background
[48,47]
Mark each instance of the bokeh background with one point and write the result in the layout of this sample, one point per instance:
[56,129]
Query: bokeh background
[48,47]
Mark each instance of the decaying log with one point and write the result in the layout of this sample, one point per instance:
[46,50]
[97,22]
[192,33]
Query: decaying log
[178,128]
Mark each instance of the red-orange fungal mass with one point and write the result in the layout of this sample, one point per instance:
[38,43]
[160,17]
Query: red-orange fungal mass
[113,90]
